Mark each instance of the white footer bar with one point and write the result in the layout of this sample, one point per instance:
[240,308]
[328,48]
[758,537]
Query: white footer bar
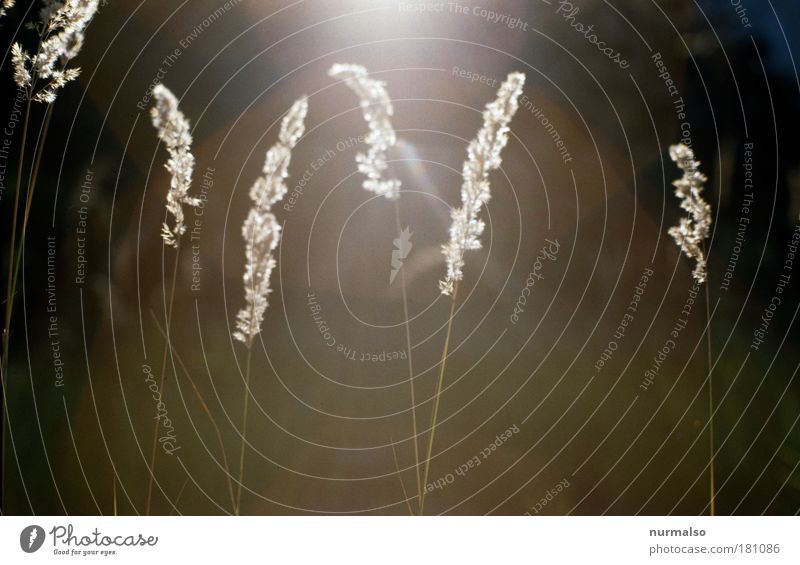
[394,540]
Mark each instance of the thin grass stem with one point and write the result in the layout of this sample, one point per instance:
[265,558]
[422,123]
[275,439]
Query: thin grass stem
[10,300]
[404,291]
[238,505]
[29,196]
[11,249]
[180,494]
[400,477]
[712,494]
[167,348]
[207,411]
[437,397]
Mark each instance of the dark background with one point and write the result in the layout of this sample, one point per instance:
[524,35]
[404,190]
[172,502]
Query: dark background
[321,426]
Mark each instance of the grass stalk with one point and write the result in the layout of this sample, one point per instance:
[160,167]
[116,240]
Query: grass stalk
[437,397]
[13,263]
[14,255]
[167,348]
[712,494]
[400,478]
[238,504]
[207,412]
[29,197]
[11,249]
[178,498]
[10,301]
[407,324]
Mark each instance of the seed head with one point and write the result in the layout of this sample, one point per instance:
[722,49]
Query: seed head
[6,5]
[261,230]
[173,130]
[62,25]
[693,230]
[377,109]
[483,156]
